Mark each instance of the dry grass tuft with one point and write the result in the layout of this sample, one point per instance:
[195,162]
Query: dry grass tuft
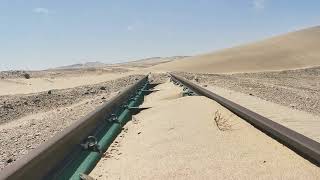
[221,122]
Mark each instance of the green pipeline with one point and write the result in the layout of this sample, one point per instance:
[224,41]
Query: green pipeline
[85,161]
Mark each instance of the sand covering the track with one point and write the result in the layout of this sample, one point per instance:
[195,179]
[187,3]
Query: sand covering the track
[178,138]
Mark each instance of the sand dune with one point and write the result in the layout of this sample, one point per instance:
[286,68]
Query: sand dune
[290,51]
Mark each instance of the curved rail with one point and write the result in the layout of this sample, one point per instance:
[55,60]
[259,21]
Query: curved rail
[306,147]
[59,153]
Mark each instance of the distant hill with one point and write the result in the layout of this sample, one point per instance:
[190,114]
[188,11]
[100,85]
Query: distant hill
[147,62]
[136,63]
[84,65]
[298,49]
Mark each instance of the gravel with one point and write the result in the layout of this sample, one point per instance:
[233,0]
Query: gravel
[15,106]
[29,120]
[297,89]
[52,73]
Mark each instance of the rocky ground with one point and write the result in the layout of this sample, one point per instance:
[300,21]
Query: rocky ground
[52,73]
[16,106]
[28,120]
[298,89]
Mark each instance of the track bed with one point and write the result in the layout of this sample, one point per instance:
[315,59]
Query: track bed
[193,137]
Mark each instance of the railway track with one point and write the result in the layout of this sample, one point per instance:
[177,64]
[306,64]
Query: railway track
[77,148]
[74,152]
[304,146]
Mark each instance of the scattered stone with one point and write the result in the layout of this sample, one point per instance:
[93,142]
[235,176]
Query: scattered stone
[7,106]
[205,85]
[50,92]
[293,105]
[102,88]
[29,134]
[26,75]
[36,100]
[250,94]
[103,97]
[10,160]
[139,132]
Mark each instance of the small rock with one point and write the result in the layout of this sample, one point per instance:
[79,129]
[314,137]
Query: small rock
[9,160]
[205,85]
[102,88]
[250,94]
[139,132]
[8,106]
[50,92]
[293,105]
[26,75]
[37,134]
[36,100]
[264,161]
[103,97]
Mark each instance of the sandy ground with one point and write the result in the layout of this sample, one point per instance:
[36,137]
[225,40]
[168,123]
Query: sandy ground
[15,106]
[290,51]
[196,138]
[297,89]
[18,85]
[300,121]
[28,120]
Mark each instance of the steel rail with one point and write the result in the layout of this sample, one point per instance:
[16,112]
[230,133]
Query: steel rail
[302,145]
[48,156]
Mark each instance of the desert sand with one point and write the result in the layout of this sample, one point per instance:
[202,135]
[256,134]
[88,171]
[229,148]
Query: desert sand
[290,51]
[196,138]
[180,137]
[300,121]
[39,84]
[28,120]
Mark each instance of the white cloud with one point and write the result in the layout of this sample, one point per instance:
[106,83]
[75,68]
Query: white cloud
[130,28]
[259,4]
[40,10]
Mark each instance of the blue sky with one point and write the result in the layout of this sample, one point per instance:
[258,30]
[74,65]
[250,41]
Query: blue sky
[37,34]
